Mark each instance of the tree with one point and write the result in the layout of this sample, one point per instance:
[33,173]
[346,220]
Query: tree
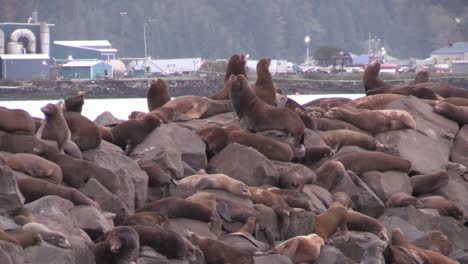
[325,55]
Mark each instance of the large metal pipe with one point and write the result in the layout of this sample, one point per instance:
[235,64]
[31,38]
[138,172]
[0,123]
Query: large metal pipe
[45,38]
[26,33]
[2,42]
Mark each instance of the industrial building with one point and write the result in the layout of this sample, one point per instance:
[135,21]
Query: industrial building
[24,50]
[83,49]
[86,70]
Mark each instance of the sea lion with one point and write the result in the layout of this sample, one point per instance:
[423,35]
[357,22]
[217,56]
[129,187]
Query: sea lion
[374,121]
[435,241]
[55,128]
[25,238]
[121,245]
[127,135]
[75,103]
[264,87]
[374,102]
[243,240]
[456,101]
[401,255]
[356,221]
[33,189]
[444,206]
[329,174]
[218,252]
[157,176]
[173,207]
[374,253]
[310,119]
[429,183]
[420,92]
[301,249]
[327,124]
[214,136]
[294,198]
[52,237]
[190,107]
[399,239]
[363,161]
[165,114]
[83,131]
[315,154]
[342,198]
[22,216]
[164,241]
[445,89]
[147,218]
[4,236]
[16,121]
[77,172]
[371,78]
[35,166]
[458,114]
[106,133]
[203,181]
[235,66]
[331,221]
[402,199]
[343,137]
[255,115]
[327,103]
[421,77]
[157,95]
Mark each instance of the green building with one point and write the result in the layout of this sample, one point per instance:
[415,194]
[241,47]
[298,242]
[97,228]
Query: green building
[86,70]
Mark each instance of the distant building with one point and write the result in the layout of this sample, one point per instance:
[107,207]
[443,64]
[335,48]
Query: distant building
[83,50]
[24,50]
[460,66]
[86,70]
[276,66]
[163,66]
[452,52]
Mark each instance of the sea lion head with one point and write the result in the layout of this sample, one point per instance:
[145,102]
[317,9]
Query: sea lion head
[263,64]
[192,237]
[58,239]
[372,69]
[50,109]
[334,113]
[151,121]
[122,237]
[441,107]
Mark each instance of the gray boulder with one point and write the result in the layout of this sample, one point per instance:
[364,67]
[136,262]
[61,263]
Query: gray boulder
[387,183]
[316,204]
[45,254]
[459,152]
[294,172]
[301,223]
[422,219]
[329,254]
[245,164]
[456,232]
[357,244]
[7,223]
[10,196]
[190,144]
[272,259]
[392,222]
[133,180]
[460,256]
[107,119]
[11,253]
[456,193]
[90,219]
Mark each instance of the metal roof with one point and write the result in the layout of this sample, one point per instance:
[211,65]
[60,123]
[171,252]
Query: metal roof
[82,63]
[24,56]
[455,48]
[84,43]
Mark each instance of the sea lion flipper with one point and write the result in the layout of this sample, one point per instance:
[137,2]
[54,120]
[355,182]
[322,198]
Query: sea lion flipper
[70,148]
[223,211]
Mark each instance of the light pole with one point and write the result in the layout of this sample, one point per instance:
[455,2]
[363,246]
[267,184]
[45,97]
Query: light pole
[151,20]
[122,14]
[307,40]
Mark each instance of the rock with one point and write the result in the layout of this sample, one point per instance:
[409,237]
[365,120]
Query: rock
[313,139]
[272,259]
[106,200]
[456,233]
[315,202]
[178,225]
[107,119]
[245,164]
[133,180]
[422,219]
[10,196]
[301,223]
[433,134]
[388,183]
[322,194]
[146,260]
[329,254]
[45,254]
[460,256]
[459,152]
[160,146]
[364,199]
[91,220]
[7,142]
[351,148]
[7,224]
[294,172]
[188,170]
[11,253]
[456,193]
[223,119]
[392,222]
[357,244]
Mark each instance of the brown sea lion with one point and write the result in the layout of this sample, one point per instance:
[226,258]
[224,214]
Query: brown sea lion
[444,206]
[374,102]
[33,189]
[315,154]
[445,89]
[294,198]
[235,66]
[214,136]
[190,107]
[75,103]
[165,114]
[106,133]
[421,77]
[121,245]
[255,115]
[342,198]
[264,87]
[22,216]
[83,131]
[343,137]
[301,249]
[329,174]
[173,207]
[218,252]
[458,114]
[35,166]
[435,241]
[16,121]
[356,221]
[203,181]
[374,121]
[25,238]
[4,236]
[456,101]
[402,199]
[327,124]
[429,183]
[371,78]
[53,237]
[331,221]
[363,161]
[157,176]
[147,218]
[420,92]
[127,135]
[157,95]
[327,103]
[310,120]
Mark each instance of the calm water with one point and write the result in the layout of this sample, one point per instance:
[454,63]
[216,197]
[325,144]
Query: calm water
[121,108]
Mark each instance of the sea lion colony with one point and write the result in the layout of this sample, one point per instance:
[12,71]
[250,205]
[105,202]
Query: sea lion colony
[235,179]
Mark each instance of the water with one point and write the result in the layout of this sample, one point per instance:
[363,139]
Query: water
[121,108]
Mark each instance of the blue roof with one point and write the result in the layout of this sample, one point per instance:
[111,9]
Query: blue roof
[457,47]
[362,59]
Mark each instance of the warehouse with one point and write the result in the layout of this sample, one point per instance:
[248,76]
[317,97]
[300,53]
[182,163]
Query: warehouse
[86,70]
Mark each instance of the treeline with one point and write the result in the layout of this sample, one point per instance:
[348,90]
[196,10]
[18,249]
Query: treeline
[276,28]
